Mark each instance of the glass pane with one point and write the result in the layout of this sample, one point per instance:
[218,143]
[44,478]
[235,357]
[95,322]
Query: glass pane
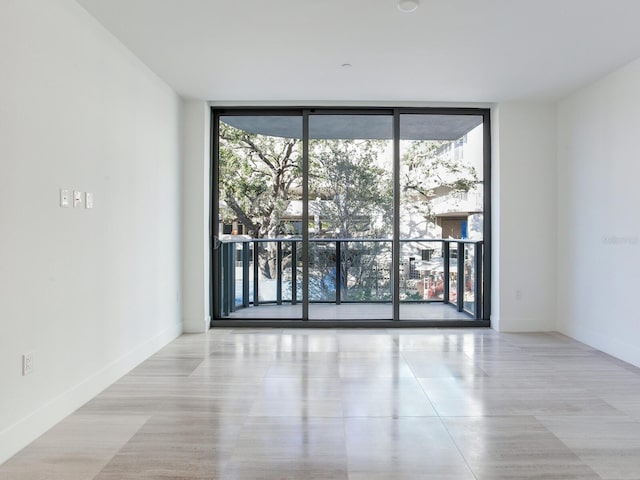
[453,273]
[367,264]
[240,272]
[260,206]
[441,198]
[469,304]
[350,208]
[322,272]
[421,272]
[351,216]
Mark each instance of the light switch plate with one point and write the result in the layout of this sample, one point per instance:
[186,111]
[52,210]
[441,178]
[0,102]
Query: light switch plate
[88,200]
[27,363]
[77,198]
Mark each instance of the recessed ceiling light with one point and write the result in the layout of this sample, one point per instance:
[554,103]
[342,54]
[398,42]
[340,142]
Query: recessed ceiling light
[408,6]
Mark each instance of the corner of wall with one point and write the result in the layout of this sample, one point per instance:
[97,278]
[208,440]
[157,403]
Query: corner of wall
[523,216]
[598,236]
[20,434]
[195,215]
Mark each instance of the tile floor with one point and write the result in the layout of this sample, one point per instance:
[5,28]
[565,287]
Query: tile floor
[356,404]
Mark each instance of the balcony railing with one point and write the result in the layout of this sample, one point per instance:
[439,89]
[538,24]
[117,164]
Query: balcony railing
[348,270]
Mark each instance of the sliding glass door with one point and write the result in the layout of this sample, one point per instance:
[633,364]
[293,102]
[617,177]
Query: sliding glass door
[259,204]
[441,180]
[349,216]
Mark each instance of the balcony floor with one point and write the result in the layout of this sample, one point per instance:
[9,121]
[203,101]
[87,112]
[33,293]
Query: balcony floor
[351,311]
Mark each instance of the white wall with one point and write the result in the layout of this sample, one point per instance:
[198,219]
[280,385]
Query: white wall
[90,292]
[495,218]
[195,216]
[598,219]
[524,217]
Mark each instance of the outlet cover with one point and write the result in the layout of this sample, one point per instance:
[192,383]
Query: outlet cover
[27,363]
[65,198]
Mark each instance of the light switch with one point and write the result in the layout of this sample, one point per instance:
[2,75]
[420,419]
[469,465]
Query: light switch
[77,198]
[65,198]
[88,200]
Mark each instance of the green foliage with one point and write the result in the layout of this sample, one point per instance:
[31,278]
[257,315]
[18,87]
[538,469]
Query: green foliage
[260,176]
[430,165]
[413,296]
[356,191]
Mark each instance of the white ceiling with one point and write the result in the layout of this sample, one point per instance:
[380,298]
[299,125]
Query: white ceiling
[446,51]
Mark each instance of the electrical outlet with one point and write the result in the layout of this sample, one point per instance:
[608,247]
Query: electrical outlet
[27,363]
[518,294]
[65,198]
[88,200]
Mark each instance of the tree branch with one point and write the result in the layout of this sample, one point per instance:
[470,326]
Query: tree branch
[244,219]
[246,139]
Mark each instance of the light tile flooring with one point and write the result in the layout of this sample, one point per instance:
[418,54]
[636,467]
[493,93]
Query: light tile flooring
[354,404]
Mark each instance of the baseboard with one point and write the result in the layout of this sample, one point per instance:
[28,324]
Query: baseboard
[521,325]
[624,349]
[17,436]
[196,325]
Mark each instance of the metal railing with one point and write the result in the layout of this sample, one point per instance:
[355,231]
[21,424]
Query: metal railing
[450,272]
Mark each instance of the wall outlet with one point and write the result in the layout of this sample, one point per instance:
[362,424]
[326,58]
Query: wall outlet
[27,363]
[88,200]
[65,198]
[518,294]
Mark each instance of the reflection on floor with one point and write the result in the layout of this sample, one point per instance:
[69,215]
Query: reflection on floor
[354,404]
[353,311]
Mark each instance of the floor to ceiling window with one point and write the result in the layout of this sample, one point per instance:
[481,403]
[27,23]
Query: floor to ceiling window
[350,216]
[441,203]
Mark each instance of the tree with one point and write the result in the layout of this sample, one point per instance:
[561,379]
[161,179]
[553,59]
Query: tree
[356,194]
[429,168]
[258,177]
[356,189]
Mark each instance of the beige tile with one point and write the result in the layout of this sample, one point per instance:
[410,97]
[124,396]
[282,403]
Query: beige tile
[385,398]
[509,448]
[75,449]
[273,403]
[167,366]
[316,468]
[518,399]
[380,366]
[609,445]
[181,445]
[289,447]
[238,366]
[403,447]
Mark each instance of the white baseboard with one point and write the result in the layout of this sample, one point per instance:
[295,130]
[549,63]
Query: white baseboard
[17,436]
[615,344]
[513,324]
[196,325]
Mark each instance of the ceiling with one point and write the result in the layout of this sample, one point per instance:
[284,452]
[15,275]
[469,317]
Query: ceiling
[412,126]
[446,51]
